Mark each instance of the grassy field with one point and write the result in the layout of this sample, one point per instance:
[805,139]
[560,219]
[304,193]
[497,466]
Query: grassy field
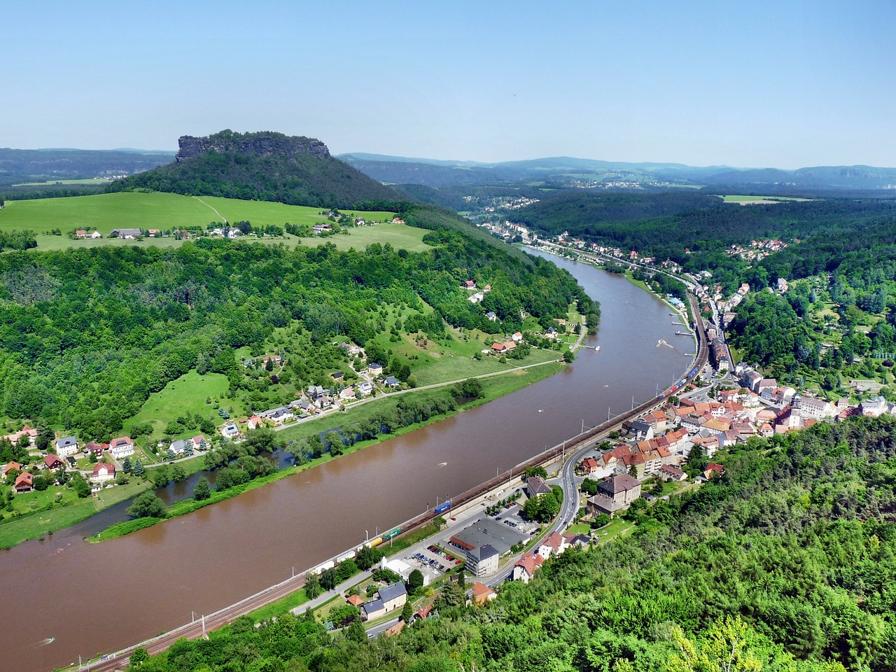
[745,199]
[105,212]
[186,395]
[50,183]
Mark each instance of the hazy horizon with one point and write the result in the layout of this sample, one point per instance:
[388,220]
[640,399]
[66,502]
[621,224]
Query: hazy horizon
[764,85]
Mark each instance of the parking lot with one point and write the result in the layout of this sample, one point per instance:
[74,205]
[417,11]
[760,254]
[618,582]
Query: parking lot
[434,559]
[511,517]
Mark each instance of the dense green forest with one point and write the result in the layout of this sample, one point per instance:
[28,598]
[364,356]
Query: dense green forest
[87,335]
[694,229]
[837,321]
[266,167]
[787,563]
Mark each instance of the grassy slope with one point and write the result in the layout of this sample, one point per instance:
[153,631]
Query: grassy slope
[186,395]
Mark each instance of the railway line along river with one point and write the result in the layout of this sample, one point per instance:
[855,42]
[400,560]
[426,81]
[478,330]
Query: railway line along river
[66,598]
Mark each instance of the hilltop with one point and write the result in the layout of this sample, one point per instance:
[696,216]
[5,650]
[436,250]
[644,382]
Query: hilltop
[263,166]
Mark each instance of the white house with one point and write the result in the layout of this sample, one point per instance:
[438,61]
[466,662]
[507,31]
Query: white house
[555,544]
[121,447]
[66,446]
[525,568]
[874,407]
[102,473]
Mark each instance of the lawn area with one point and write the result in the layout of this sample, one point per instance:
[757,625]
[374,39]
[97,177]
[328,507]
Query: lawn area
[615,529]
[281,606]
[105,212]
[399,236]
[186,395]
[36,500]
[448,367]
[579,528]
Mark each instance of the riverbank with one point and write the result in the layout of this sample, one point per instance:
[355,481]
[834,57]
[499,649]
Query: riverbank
[493,387]
[45,522]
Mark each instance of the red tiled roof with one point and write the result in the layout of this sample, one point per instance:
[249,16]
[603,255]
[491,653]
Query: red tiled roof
[10,466]
[110,468]
[530,562]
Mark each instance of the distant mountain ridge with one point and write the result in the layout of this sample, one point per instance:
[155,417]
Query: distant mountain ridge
[440,173]
[265,166]
[34,165]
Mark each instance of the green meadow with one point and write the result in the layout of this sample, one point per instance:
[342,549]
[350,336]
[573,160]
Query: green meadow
[145,210]
[745,199]
[186,395]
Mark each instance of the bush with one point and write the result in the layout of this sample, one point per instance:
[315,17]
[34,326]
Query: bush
[147,505]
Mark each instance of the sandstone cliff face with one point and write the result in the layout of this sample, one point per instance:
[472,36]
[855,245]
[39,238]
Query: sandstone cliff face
[264,143]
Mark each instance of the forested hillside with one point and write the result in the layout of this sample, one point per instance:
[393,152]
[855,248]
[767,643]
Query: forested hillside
[264,166]
[787,563]
[87,335]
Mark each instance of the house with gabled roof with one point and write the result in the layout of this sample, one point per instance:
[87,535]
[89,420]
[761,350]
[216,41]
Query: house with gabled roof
[8,467]
[553,544]
[52,461]
[103,473]
[121,447]
[24,482]
[66,446]
[525,568]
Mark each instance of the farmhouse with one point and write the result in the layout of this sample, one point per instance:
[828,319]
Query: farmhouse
[388,599]
[126,234]
[24,482]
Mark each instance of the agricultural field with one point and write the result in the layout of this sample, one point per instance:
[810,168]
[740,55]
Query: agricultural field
[51,183]
[744,199]
[105,212]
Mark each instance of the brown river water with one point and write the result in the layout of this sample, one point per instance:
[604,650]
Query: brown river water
[64,597]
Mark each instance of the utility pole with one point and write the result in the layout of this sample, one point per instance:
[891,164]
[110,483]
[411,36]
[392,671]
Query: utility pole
[583,425]
[203,626]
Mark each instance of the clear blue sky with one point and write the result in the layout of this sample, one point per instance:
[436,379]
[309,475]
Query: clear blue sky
[754,84]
